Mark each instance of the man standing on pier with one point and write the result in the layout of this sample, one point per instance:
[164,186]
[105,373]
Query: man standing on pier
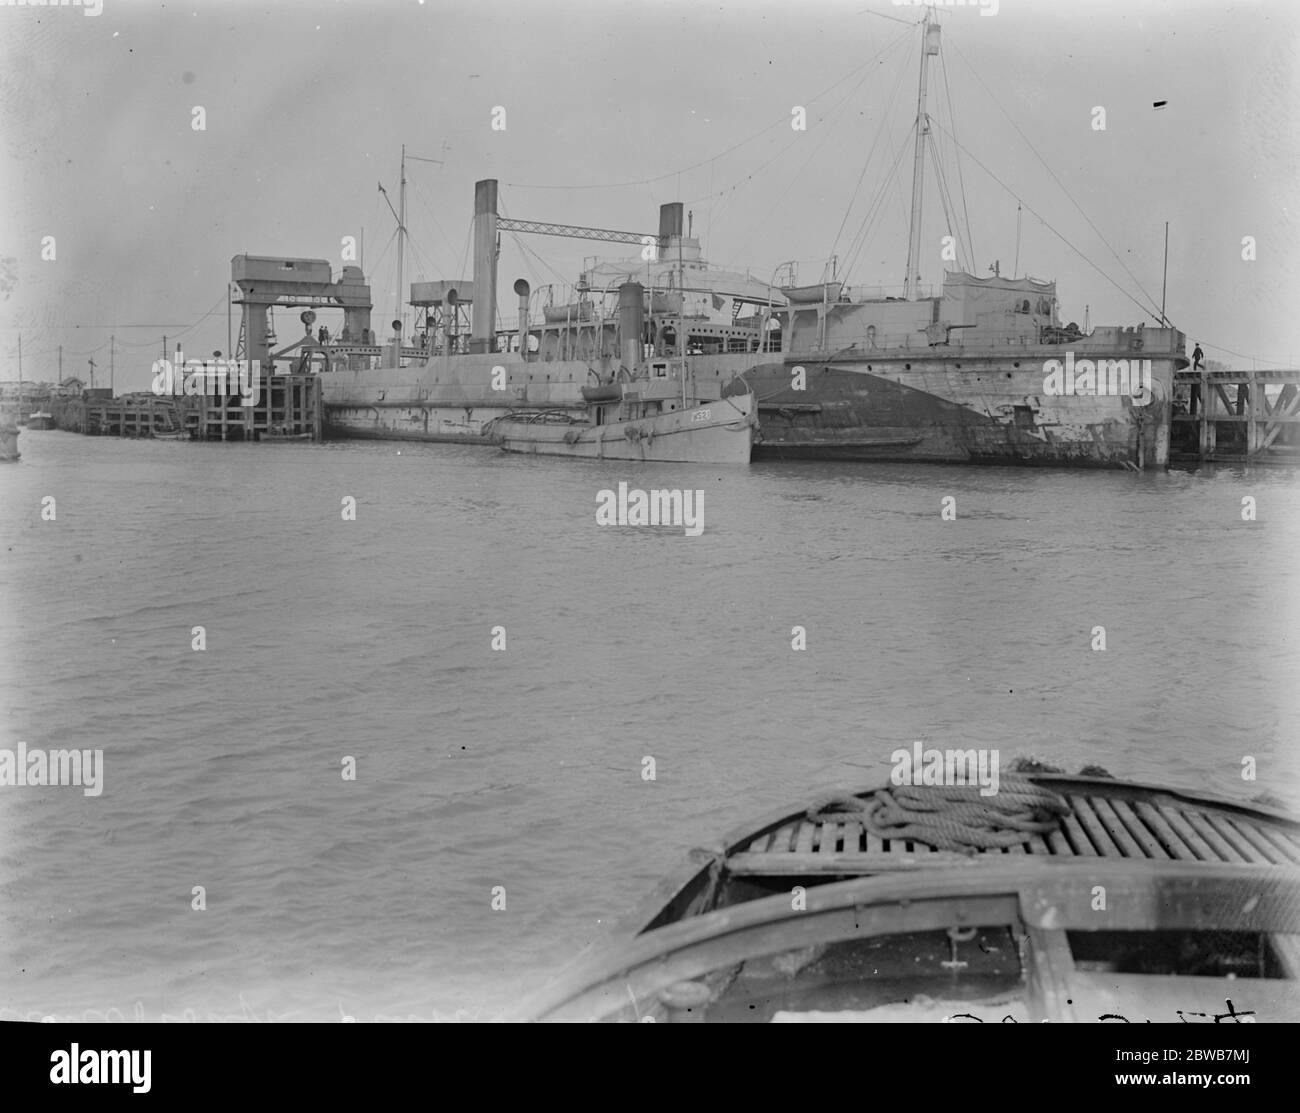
[1197,357]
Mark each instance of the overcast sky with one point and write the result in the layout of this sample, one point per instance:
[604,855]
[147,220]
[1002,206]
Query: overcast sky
[308,103]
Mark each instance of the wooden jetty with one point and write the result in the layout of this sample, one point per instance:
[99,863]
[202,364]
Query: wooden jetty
[288,406]
[1212,424]
[131,415]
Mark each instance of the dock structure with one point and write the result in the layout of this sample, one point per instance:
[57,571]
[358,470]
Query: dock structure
[132,415]
[1212,422]
[287,406]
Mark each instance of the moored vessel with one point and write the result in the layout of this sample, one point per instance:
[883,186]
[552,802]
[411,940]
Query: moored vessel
[984,369]
[649,411]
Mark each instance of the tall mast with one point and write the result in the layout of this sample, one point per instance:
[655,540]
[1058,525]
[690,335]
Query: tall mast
[401,237]
[1164,282]
[930,45]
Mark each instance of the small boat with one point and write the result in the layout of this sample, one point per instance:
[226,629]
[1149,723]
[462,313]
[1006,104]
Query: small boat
[638,422]
[822,291]
[276,436]
[170,435]
[8,441]
[648,410]
[1097,899]
[40,420]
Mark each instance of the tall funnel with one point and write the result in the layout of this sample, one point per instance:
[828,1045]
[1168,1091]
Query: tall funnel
[483,321]
[631,322]
[670,222]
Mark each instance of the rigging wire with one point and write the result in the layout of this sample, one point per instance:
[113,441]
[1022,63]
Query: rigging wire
[874,211]
[781,122]
[945,199]
[1152,312]
[880,130]
[1056,179]
[961,178]
[797,137]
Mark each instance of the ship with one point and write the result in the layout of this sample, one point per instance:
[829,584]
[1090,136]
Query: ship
[698,329]
[649,412]
[983,370]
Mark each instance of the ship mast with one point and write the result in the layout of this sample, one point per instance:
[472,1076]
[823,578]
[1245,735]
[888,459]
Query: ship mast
[401,237]
[930,45]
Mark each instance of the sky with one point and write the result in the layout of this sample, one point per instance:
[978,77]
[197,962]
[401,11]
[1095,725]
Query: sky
[613,108]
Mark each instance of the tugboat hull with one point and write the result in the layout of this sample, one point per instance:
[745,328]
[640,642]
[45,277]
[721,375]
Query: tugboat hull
[718,433]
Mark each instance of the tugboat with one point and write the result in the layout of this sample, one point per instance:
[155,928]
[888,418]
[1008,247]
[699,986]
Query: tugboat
[648,411]
[919,903]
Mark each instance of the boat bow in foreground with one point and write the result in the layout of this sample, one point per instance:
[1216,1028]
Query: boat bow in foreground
[1131,901]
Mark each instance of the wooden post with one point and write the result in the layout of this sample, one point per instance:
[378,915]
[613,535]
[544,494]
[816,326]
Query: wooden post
[1207,429]
[1257,417]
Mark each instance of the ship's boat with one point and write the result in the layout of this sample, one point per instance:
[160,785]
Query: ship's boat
[822,292]
[606,392]
[1061,898]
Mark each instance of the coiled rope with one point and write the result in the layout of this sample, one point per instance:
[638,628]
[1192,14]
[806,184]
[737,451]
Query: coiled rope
[950,817]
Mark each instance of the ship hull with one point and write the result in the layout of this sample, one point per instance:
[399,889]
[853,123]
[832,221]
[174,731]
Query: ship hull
[453,400]
[954,410]
[719,433]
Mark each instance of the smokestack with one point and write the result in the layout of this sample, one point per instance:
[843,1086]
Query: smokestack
[484,316]
[631,321]
[449,320]
[670,222]
[521,288]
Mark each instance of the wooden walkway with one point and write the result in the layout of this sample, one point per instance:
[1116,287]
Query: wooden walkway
[1214,414]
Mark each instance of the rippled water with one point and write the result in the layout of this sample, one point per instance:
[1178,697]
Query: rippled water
[371,639]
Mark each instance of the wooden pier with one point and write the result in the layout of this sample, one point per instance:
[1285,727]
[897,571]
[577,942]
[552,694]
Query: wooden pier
[132,415]
[1213,423]
[288,406]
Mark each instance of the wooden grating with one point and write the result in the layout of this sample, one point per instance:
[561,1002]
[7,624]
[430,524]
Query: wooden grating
[1128,824]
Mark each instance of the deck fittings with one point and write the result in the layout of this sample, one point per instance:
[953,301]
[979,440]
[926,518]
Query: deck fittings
[958,935]
[685,1002]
